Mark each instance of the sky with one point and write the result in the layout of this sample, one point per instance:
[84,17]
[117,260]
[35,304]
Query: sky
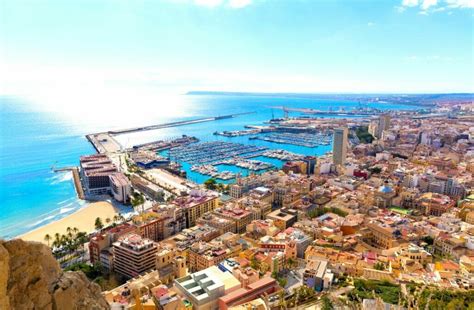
[175,46]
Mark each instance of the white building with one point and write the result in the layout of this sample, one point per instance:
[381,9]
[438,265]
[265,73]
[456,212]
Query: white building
[203,288]
[120,187]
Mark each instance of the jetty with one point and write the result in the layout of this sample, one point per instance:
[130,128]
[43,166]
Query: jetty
[175,124]
[76,177]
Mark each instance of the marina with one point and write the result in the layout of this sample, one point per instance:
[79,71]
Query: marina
[237,133]
[254,165]
[212,171]
[282,155]
[209,152]
[301,139]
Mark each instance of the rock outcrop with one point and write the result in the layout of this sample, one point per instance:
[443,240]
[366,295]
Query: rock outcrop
[30,278]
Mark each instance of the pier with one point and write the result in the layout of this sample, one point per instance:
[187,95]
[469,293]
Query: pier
[104,142]
[76,177]
[175,124]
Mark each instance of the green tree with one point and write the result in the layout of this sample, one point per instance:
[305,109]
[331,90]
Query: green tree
[364,135]
[327,304]
[375,170]
[290,263]
[137,199]
[282,282]
[210,184]
[428,239]
[379,266]
[456,304]
[98,224]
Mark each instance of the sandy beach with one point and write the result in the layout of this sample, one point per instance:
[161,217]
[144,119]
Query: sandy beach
[83,219]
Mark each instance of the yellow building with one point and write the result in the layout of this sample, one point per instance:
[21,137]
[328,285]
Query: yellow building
[198,203]
[470,217]
[379,237]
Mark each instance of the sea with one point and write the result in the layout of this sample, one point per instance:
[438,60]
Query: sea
[36,137]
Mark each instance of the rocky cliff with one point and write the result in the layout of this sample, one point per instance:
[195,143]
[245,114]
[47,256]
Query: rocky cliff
[30,278]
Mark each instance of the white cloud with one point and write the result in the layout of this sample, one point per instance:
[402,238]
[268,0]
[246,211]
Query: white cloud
[460,3]
[428,3]
[237,4]
[410,3]
[370,24]
[433,6]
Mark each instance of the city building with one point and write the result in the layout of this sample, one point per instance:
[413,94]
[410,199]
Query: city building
[102,242]
[434,204]
[120,187]
[339,151]
[95,171]
[317,275]
[259,288]
[222,224]
[146,187]
[384,196]
[282,218]
[203,289]
[384,124]
[196,204]
[133,255]
[149,159]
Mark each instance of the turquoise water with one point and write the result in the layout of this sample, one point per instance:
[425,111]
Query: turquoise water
[34,139]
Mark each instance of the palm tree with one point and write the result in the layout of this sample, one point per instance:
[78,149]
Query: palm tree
[57,239]
[64,240]
[116,218]
[107,220]
[47,238]
[98,224]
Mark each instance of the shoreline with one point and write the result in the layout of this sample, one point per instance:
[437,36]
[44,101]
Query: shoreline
[83,219]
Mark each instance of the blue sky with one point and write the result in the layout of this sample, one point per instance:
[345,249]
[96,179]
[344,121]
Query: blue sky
[237,45]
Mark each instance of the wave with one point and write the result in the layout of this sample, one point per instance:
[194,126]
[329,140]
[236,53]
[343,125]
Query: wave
[66,201]
[66,209]
[42,221]
[61,177]
[24,226]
